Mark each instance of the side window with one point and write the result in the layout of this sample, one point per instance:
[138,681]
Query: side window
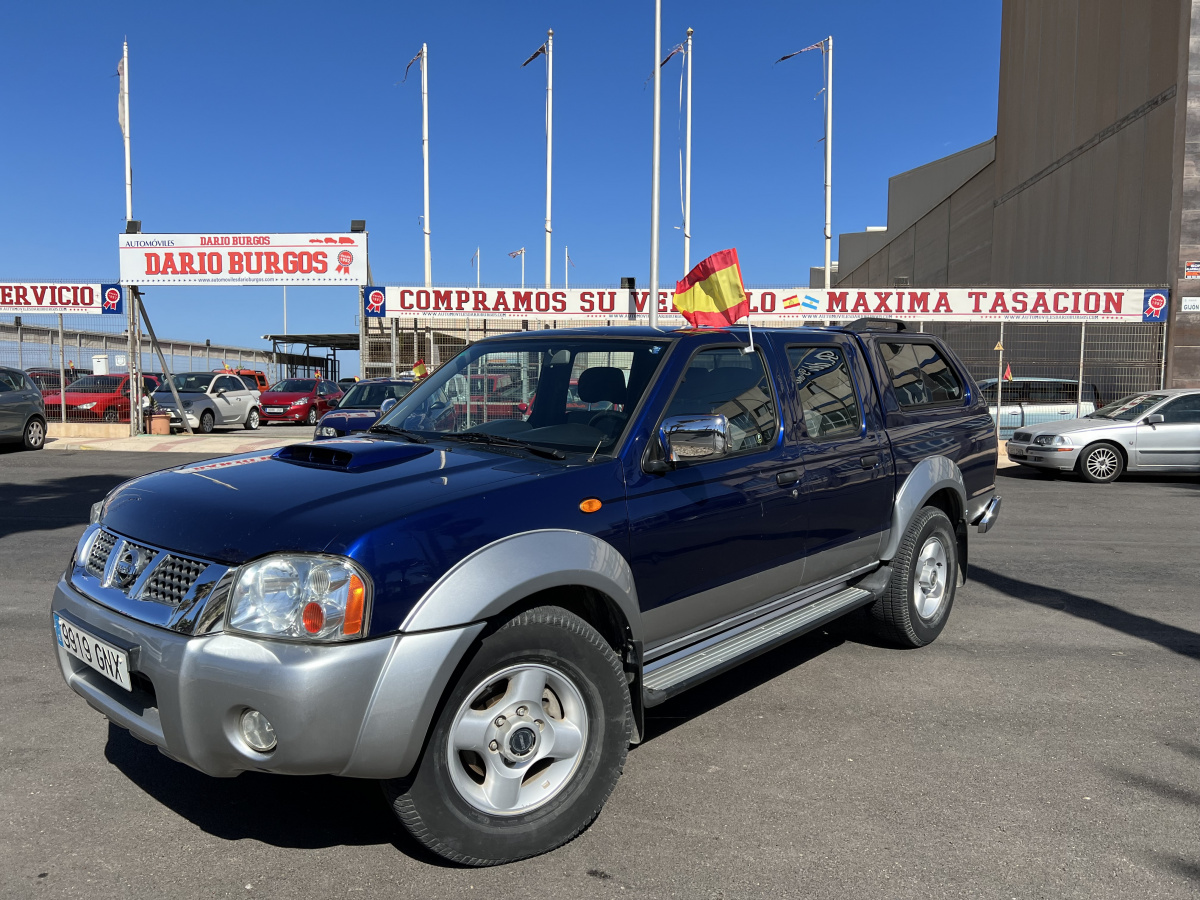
[725,381]
[920,374]
[1185,409]
[8,383]
[826,390]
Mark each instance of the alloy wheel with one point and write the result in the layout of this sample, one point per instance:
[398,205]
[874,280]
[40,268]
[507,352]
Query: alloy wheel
[930,578]
[1102,463]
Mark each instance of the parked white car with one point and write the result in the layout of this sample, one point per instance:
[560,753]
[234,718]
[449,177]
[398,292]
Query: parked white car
[1029,401]
[210,399]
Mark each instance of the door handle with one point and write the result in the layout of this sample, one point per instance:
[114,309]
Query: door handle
[869,462]
[786,477]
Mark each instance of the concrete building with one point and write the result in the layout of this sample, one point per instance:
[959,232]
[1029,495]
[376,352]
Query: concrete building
[1093,177]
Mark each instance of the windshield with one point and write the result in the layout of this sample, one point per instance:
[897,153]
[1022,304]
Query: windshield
[1128,408]
[189,382]
[574,393]
[371,396]
[96,384]
[294,386]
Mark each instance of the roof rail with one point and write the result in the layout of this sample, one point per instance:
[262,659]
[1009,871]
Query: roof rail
[876,325]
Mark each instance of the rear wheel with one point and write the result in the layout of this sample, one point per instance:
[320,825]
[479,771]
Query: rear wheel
[527,747]
[35,434]
[1101,463]
[916,603]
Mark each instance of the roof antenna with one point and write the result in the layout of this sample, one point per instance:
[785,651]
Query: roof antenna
[592,458]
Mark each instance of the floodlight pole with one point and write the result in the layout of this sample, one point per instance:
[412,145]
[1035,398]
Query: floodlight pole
[829,163]
[425,154]
[654,183]
[687,167]
[549,141]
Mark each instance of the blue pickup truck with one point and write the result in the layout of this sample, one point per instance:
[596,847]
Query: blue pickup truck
[478,612]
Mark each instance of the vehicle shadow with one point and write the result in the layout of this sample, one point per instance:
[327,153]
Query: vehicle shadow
[295,812]
[1171,637]
[45,506]
[746,677]
[1029,473]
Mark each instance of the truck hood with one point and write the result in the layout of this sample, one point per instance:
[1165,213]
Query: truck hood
[321,496]
[1069,426]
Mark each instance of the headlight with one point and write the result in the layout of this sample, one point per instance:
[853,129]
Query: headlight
[1052,440]
[327,431]
[187,404]
[86,405]
[301,402]
[97,510]
[303,597]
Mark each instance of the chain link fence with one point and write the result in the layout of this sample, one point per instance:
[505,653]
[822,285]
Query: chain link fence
[93,354]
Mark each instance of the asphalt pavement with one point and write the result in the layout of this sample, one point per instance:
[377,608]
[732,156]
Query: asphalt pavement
[1045,746]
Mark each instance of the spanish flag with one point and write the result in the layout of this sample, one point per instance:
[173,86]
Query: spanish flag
[419,369]
[712,293]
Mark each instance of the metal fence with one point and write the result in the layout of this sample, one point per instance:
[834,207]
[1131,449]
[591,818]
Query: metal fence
[87,344]
[1111,359]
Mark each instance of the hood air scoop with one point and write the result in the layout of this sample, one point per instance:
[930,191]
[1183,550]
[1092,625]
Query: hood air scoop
[351,455]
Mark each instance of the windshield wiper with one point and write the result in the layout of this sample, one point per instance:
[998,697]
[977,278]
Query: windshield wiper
[479,437]
[403,432]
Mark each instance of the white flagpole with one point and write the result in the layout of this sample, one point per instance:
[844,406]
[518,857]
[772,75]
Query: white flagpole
[654,183]
[687,177]
[566,266]
[522,268]
[425,154]
[128,158]
[829,165]
[549,140]
[478,267]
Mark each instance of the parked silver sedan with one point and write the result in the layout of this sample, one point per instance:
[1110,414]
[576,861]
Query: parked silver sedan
[1156,431]
[210,399]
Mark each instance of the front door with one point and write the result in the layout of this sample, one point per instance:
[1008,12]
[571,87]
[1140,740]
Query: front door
[12,405]
[717,537]
[848,474]
[1174,442]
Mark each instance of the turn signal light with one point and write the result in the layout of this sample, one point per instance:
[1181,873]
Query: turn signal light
[353,622]
[590,505]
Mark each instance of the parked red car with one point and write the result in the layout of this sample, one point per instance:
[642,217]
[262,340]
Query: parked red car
[298,400]
[103,397]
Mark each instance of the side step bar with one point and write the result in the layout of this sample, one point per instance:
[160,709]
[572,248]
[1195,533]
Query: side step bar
[674,674]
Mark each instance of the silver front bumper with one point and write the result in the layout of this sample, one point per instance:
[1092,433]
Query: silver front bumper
[358,709]
[1030,454]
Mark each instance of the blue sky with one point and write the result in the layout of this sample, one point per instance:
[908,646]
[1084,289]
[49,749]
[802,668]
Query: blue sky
[280,117]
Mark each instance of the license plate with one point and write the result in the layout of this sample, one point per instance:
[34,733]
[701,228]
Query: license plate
[274,409]
[1016,454]
[106,659]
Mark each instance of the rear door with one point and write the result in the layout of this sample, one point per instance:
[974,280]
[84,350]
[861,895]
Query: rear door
[848,478]
[12,405]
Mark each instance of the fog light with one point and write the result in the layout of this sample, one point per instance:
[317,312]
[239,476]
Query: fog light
[257,731]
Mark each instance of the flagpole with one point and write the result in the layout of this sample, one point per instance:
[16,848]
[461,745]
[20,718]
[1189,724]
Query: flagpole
[425,154]
[135,408]
[128,163]
[687,177]
[829,165]
[478,267]
[566,265]
[549,140]
[654,183]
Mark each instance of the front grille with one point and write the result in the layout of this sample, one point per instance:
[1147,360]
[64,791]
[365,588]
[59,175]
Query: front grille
[101,547]
[172,579]
[1022,436]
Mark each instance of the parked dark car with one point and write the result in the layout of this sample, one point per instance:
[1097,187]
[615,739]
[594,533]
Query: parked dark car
[22,410]
[299,400]
[478,616]
[362,405]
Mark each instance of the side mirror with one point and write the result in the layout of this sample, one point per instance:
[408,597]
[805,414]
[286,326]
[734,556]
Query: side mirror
[1155,419]
[220,392]
[688,439]
[386,405]
[522,408]
[333,401]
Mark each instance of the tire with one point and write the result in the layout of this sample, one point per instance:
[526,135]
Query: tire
[206,422]
[110,414]
[253,420]
[457,803]
[35,434]
[916,603]
[311,421]
[1101,463]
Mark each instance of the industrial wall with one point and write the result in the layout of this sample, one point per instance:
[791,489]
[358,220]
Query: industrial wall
[1184,353]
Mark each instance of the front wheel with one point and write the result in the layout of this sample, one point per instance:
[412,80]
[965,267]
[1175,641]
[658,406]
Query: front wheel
[206,422]
[916,603]
[1101,463]
[527,748]
[312,417]
[253,420]
[111,415]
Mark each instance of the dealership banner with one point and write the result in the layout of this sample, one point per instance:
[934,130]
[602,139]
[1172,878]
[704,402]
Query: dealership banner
[92,299]
[285,259]
[991,304]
